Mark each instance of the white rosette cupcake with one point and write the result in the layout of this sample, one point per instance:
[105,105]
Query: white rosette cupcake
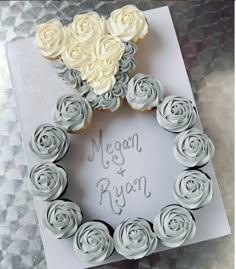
[193,148]
[176,114]
[93,242]
[174,225]
[192,189]
[73,113]
[47,181]
[49,143]
[144,92]
[62,218]
[134,239]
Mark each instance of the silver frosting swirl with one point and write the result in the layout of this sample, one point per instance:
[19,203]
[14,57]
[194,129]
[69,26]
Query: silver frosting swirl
[62,218]
[134,239]
[47,181]
[127,63]
[93,242]
[72,112]
[174,225]
[122,77]
[193,148]
[49,143]
[176,114]
[70,76]
[144,92]
[192,189]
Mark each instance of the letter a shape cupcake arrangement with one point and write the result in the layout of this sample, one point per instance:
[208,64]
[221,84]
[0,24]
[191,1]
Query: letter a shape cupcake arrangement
[95,56]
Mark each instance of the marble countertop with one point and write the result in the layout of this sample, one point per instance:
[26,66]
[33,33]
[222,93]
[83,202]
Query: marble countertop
[205,33]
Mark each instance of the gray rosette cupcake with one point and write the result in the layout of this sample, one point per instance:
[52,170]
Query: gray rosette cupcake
[127,62]
[192,189]
[134,239]
[47,181]
[49,143]
[73,113]
[93,242]
[176,114]
[174,225]
[193,148]
[144,93]
[62,218]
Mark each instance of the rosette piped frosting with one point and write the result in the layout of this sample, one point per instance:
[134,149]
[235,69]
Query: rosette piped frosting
[176,114]
[192,189]
[174,225]
[62,218]
[49,143]
[47,181]
[144,92]
[72,113]
[193,148]
[93,242]
[134,239]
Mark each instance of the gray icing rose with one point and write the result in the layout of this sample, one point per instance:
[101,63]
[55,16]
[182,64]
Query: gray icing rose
[72,113]
[174,225]
[108,101]
[62,218]
[176,114]
[122,77]
[127,63]
[70,76]
[93,242]
[193,148]
[134,239]
[49,143]
[47,181]
[192,189]
[87,92]
[144,92]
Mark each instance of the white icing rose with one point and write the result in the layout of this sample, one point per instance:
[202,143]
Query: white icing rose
[174,225]
[47,181]
[193,148]
[49,143]
[93,242]
[134,239]
[176,114]
[102,85]
[62,218]
[128,23]
[50,39]
[192,189]
[72,112]
[87,28]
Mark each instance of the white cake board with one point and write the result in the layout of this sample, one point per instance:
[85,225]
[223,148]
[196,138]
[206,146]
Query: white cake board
[37,89]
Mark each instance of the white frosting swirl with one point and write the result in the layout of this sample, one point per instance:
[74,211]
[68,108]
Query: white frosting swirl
[128,23]
[176,114]
[193,148]
[50,39]
[87,28]
[174,225]
[144,92]
[93,242]
[62,218]
[47,181]
[134,239]
[192,189]
[72,112]
[49,142]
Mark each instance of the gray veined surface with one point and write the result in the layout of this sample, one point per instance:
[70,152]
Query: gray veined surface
[205,33]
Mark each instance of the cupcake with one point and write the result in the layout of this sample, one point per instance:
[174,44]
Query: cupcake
[93,242]
[49,143]
[73,113]
[47,181]
[144,93]
[174,225]
[62,218]
[134,239]
[193,148]
[127,62]
[176,114]
[128,23]
[192,189]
